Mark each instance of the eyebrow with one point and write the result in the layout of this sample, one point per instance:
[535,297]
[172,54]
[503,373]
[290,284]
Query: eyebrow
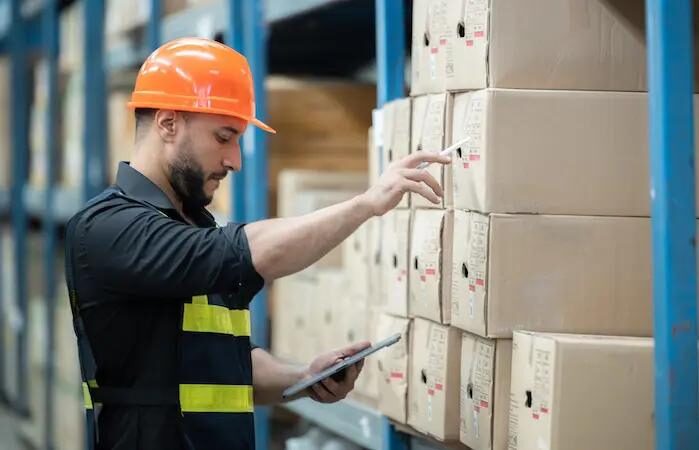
[231,129]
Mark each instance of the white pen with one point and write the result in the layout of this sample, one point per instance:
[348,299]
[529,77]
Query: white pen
[446,151]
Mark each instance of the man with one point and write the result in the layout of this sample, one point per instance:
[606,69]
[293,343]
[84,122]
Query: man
[160,294]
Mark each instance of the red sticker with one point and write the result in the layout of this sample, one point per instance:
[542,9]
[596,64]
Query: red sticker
[535,416]
[469,43]
[431,271]
[467,165]
[430,392]
[472,288]
[474,157]
[480,282]
[438,386]
[434,50]
[484,404]
[443,41]
[397,375]
[544,410]
[479,34]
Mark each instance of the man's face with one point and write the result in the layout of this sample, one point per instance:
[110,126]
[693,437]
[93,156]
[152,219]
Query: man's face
[203,154]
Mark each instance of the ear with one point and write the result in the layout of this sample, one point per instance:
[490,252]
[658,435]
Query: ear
[167,124]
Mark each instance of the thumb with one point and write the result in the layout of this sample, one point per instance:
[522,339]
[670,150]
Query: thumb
[354,348]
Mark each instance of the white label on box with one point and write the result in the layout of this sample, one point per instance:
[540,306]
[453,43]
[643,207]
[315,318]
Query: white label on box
[473,127]
[543,374]
[513,423]
[475,20]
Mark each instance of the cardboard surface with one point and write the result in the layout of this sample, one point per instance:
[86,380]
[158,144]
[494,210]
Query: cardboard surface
[552,152]
[293,330]
[431,131]
[327,308]
[355,256]
[572,392]
[539,44]
[377,287]
[393,368]
[396,135]
[429,46]
[486,365]
[433,383]
[551,273]
[429,282]
[396,239]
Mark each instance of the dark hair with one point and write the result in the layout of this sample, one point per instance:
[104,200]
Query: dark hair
[144,117]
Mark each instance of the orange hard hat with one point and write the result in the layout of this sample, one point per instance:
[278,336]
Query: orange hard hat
[197,75]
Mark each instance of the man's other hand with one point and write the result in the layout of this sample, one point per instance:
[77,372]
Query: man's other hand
[334,389]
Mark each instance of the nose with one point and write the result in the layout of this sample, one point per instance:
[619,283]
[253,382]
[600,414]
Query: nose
[233,160]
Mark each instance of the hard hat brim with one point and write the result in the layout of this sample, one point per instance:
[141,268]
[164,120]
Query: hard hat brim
[155,104]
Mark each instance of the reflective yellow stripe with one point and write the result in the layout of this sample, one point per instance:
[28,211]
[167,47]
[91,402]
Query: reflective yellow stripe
[216,319]
[200,398]
[87,399]
[200,300]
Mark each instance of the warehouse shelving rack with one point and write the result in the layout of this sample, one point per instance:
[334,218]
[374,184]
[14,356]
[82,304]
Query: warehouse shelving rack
[670,66]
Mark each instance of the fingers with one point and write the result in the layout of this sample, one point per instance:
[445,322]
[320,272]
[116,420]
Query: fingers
[411,161]
[354,348]
[322,394]
[423,190]
[424,177]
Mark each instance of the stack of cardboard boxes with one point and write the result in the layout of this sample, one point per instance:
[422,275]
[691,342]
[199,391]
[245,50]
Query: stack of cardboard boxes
[544,227]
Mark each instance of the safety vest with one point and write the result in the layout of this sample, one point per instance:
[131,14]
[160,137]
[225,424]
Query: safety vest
[214,394]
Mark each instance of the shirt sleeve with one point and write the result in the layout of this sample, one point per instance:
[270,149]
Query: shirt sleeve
[131,248]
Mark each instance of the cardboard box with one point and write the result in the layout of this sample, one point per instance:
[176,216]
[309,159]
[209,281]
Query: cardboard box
[430,261]
[393,368]
[327,310]
[433,382]
[396,135]
[293,181]
[499,43]
[71,37]
[293,331]
[551,273]
[549,152]
[396,239]
[486,365]
[431,131]
[429,46]
[377,287]
[73,107]
[363,327]
[307,114]
[356,254]
[571,392]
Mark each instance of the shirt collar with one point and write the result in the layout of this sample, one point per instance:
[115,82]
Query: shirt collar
[136,185]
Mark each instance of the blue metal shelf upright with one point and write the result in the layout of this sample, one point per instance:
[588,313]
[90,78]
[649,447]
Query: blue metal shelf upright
[671,74]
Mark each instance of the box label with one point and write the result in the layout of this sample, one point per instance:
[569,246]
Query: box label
[543,374]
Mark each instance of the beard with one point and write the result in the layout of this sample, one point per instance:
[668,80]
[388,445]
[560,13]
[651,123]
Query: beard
[187,179]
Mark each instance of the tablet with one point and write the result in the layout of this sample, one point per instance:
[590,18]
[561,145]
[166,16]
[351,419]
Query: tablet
[339,367]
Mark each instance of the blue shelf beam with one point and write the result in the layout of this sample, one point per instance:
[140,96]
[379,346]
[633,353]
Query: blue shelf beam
[95,125]
[154,25]
[51,41]
[390,50]
[234,38]
[20,151]
[254,34]
[670,70]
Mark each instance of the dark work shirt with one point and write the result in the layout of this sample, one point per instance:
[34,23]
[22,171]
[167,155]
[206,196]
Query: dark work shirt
[134,264]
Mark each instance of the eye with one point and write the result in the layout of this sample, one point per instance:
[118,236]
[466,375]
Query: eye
[223,139]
